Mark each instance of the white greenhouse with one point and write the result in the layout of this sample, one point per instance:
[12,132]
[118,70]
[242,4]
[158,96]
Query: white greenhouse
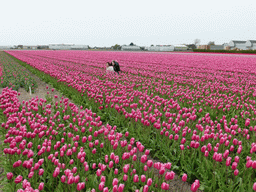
[60,46]
[130,48]
[79,47]
[5,47]
[180,48]
[251,44]
[237,44]
[161,48]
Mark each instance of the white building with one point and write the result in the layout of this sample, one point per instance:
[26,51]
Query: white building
[60,46]
[237,44]
[217,47]
[33,47]
[251,44]
[161,48]
[5,47]
[79,47]
[180,48]
[130,48]
[226,46]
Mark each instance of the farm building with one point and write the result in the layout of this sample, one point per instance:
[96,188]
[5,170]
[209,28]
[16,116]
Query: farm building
[237,45]
[130,48]
[251,44]
[43,47]
[180,48]
[60,46]
[161,48]
[5,47]
[206,47]
[102,48]
[79,47]
[216,47]
[33,47]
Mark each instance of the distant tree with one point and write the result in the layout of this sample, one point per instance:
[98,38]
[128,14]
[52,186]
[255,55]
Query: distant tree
[20,46]
[116,47]
[131,44]
[197,41]
[211,43]
[152,45]
[191,46]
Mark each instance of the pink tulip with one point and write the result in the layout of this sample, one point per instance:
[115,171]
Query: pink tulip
[254,164]
[125,177]
[41,172]
[115,181]
[30,175]
[194,187]
[254,186]
[63,178]
[249,163]
[143,178]
[136,178]
[18,179]
[149,182]
[121,188]
[165,186]
[41,186]
[101,186]
[184,177]
[98,172]
[145,188]
[9,176]
[149,163]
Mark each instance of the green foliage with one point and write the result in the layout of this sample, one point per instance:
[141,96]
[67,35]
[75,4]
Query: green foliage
[15,76]
[116,47]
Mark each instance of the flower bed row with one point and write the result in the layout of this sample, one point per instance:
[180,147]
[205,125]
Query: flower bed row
[14,75]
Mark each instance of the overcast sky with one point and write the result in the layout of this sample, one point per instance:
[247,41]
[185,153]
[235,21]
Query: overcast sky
[109,22]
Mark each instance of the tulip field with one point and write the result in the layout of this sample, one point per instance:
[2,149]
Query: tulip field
[189,115]
[14,76]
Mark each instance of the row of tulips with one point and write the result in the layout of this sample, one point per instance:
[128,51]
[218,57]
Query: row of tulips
[61,147]
[198,111]
[14,75]
[1,72]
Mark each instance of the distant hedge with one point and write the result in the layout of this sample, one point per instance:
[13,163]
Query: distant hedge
[225,51]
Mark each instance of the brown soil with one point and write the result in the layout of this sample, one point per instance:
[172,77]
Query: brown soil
[176,184]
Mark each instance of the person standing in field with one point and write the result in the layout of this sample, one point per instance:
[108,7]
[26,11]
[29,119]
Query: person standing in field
[116,66]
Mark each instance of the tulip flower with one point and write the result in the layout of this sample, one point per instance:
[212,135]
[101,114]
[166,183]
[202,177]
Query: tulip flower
[41,186]
[254,186]
[18,179]
[9,175]
[136,178]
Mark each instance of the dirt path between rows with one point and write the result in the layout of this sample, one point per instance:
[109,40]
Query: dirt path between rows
[176,185]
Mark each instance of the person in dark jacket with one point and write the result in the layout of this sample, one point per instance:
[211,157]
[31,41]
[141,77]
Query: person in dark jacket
[116,66]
